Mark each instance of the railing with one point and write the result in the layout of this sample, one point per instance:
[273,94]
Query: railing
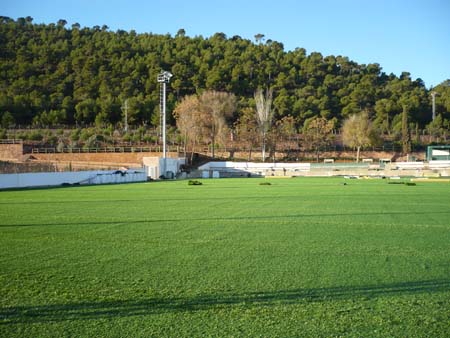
[155,149]
[338,165]
[11,141]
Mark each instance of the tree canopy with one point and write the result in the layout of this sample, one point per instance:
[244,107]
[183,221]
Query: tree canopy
[53,74]
[357,132]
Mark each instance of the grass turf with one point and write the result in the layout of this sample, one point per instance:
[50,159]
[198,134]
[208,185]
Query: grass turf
[301,257]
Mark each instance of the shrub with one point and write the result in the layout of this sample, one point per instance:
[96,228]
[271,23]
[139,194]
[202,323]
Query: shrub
[51,140]
[126,137]
[35,135]
[136,137]
[87,133]
[149,139]
[75,135]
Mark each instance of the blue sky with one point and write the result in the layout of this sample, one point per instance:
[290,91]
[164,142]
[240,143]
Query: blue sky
[400,35]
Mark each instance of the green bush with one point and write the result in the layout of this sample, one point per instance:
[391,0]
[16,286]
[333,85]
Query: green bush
[35,135]
[86,133]
[75,135]
[136,137]
[126,137]
[149,139]
[52,140]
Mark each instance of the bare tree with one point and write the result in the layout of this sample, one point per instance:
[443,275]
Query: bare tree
[281,132]
[357,132]
[190,118]
[317,133]
[264,115]
[218,107]
[247,130]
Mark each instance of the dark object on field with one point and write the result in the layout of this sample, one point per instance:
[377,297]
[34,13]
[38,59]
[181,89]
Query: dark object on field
[344,183]
[404,183]
[194,182]
[265,183]
[65,184]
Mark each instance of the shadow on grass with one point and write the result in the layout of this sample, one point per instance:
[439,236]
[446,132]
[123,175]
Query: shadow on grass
[231,218]
[160,200]
[127,308]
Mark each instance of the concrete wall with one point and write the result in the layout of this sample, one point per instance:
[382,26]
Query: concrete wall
[11,152]
[117,158]
[8,181]
[253,165]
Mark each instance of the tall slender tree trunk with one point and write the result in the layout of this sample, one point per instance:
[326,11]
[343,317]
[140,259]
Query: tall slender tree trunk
[358,150]
[264,147]
[185,144]
[213,139]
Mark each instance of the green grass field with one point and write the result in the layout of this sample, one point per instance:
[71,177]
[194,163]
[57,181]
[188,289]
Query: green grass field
[230,258]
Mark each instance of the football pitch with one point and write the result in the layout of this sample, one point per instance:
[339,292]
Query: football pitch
[308,257]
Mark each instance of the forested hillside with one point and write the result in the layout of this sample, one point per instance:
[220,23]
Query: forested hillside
[61,74]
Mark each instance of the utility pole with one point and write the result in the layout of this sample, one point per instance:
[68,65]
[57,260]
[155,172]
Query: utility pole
[125,109]
[433,96]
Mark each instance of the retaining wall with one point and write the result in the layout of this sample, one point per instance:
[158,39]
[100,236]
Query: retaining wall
[26,180]
[242,169]
[124,158]
[11,152]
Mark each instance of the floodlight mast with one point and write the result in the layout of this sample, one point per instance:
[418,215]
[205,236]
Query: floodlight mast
[164,78]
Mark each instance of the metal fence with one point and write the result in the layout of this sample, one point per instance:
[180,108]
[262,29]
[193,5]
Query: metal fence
[149,149]
[10,141]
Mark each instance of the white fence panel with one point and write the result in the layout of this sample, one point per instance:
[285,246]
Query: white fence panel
[252,166]
[439,164]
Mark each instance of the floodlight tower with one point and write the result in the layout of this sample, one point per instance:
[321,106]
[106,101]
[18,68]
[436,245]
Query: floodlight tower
[163,79]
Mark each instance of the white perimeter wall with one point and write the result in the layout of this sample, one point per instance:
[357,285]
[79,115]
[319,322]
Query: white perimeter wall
[253,166]
[81,177]
[442,166]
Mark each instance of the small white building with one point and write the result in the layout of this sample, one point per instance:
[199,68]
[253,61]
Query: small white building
[168,167]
